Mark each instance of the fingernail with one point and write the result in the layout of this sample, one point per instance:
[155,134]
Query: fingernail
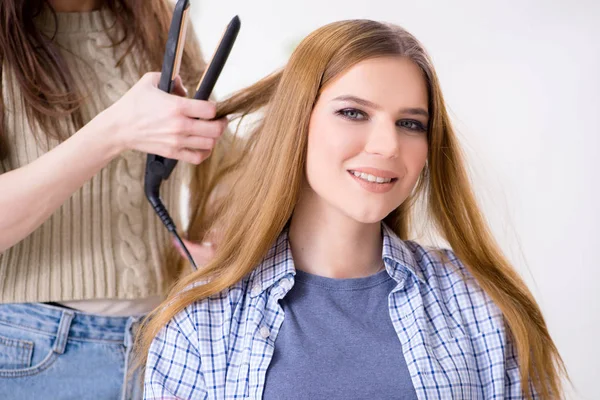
[207,244]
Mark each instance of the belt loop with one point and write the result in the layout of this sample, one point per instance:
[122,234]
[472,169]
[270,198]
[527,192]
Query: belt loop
[63,331]
[131,383]
[130,331]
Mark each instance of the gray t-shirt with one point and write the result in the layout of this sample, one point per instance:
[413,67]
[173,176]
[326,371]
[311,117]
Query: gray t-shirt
[337,341]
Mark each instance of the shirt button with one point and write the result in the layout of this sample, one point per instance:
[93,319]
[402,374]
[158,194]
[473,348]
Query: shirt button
[264,332]
[255,290]
[285,284]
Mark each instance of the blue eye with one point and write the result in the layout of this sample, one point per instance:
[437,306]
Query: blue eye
[411,125]
[352,114]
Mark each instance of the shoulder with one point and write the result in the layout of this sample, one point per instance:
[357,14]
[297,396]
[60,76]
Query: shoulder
[450,282]
[193,330]
[438,264]
[216,312]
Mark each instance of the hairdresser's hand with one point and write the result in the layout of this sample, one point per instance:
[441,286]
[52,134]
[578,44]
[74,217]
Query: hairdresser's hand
[202,253]
[151,121]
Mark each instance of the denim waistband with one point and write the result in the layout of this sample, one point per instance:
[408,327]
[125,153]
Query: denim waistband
[47,318]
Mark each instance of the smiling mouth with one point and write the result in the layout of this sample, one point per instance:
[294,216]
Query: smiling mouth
[372,178]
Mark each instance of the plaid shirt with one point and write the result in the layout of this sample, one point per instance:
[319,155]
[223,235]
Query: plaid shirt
[453,336]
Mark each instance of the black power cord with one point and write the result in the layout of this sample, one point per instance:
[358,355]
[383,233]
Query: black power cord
[154,184]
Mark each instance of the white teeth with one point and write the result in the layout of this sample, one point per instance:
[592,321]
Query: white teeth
[371,178]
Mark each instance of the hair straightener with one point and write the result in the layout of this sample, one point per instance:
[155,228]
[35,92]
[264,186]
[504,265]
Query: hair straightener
[159,168]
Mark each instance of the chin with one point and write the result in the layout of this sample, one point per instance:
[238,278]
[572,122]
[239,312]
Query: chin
[368,215]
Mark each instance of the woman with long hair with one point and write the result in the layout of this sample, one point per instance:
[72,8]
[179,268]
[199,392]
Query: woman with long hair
[316,289]
[82,252]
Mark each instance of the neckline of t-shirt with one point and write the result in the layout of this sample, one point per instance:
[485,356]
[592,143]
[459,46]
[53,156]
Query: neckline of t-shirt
[362,283]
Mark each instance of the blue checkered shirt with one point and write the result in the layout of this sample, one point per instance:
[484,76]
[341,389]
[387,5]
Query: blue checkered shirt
[453,336]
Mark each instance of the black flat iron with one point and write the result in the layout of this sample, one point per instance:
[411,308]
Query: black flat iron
[159,168]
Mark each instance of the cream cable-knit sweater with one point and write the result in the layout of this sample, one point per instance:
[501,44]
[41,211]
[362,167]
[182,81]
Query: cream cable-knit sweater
[105,242]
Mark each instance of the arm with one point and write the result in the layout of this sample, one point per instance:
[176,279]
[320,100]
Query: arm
[144,119]
[31,194]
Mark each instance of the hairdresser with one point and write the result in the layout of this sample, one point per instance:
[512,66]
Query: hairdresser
[81,251]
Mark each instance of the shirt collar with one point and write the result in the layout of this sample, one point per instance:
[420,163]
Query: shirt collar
[278,263]
[398,258]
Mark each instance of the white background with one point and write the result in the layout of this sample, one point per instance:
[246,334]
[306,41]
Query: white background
[522,84]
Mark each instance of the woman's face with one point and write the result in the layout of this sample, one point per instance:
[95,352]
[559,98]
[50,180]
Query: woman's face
[367,139]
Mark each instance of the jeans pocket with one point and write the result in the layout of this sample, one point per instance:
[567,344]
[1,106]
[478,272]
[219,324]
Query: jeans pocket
[44,348]
[15,353]
[32,352]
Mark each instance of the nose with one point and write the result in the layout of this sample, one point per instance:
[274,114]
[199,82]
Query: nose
[383,139]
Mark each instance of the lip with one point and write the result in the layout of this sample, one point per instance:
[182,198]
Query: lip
[376,172]
[372,187]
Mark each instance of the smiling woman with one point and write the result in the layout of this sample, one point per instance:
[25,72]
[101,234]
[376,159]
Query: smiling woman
[316,290]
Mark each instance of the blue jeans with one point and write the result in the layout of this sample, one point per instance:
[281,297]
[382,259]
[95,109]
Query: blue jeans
[49,352]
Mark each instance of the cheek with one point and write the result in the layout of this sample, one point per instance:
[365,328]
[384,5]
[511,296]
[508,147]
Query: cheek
[330,144]
[420,151]
[414,157]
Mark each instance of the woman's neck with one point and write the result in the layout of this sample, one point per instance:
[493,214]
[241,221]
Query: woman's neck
[75,5]
[327,243]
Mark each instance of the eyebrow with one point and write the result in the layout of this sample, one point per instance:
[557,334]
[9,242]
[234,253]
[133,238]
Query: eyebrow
[367,103]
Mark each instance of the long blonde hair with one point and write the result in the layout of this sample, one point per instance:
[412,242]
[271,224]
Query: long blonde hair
[271,171]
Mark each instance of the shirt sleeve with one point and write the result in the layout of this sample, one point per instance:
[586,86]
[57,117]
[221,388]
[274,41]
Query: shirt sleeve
[173,364]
